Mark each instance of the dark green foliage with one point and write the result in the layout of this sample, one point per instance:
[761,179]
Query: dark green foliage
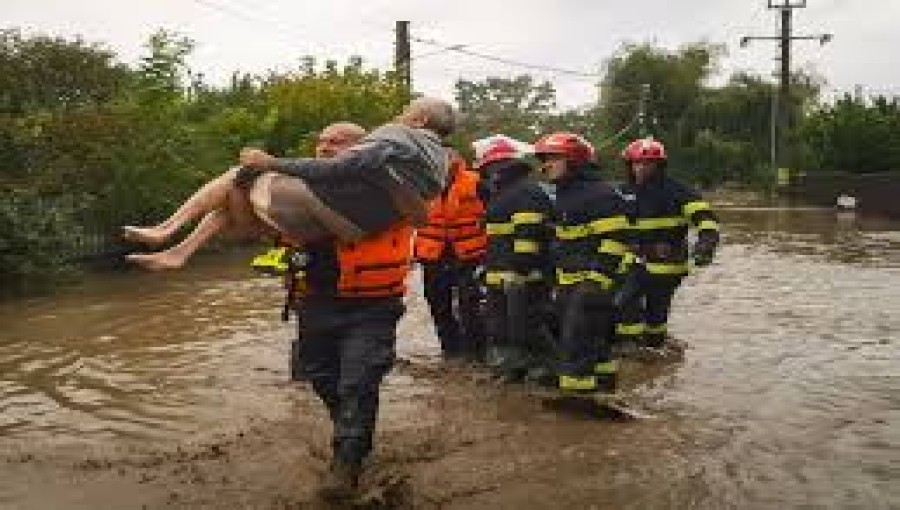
[122,145]
[853,135]
[37,241]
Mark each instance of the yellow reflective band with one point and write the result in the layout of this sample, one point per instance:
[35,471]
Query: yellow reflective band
[625,264]
[601,226]
[571,278]
[519,218]
[501,277]
[635,328]
[660,223]
[661,268]
[609,225]
[570,383]
[527,218]
[526,246]
[606,368]
[613,248]
[690,208]
[273,260]
[500,229]
[594,276]
[708,225]
[568,233]
[656,329]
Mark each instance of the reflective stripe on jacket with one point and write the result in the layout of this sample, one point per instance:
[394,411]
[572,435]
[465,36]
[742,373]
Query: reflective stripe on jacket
[519,234]
[592,229]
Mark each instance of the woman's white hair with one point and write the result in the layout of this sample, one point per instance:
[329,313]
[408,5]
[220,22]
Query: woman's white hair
[440,115]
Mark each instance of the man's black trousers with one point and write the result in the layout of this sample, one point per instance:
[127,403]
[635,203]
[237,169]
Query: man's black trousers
[348,347]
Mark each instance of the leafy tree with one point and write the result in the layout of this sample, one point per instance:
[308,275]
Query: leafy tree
[161,74]
[44,72]
[853,135]
[675,80]
[43,75]
[518,107]
[302,102]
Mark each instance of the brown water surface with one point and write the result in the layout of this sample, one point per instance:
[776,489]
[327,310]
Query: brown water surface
[789,396]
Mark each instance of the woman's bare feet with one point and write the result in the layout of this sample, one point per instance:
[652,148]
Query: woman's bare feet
[159,261]
[150,236]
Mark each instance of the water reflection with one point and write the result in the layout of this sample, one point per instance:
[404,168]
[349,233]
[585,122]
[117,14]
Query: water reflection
[136,354]
[824,233]
[794,366]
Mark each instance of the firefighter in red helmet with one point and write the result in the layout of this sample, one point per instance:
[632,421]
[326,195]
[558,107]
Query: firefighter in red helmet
[591,256]
[661,210]
[517,265]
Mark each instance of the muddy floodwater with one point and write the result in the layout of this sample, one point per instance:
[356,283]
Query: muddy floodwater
[153,391]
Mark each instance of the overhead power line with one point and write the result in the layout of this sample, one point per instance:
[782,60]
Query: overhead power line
[464,50]
[284,31]
[288,33]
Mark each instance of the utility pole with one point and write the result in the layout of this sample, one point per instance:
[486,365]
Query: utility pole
[403,56]
[783,106]
[642,109]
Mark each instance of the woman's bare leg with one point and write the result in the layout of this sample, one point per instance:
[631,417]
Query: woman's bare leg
[211,196]
[175,257]
[236,216]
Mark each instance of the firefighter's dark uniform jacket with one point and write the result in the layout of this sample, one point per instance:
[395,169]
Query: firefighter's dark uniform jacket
[518,228]
[518,269]
[661,211]
[591,255]
[349,315]
[591,231]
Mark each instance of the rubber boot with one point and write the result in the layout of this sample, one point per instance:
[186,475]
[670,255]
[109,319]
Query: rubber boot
[654,340]
[607,383]
[607,376]
[514,365]
[340,482]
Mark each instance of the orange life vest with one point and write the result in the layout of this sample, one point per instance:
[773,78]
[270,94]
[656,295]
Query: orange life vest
[376,266]
[456,218]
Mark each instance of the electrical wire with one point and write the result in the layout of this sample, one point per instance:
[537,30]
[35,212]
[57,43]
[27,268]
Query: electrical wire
[464,50]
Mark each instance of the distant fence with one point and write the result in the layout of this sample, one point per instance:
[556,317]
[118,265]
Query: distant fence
[95,240]
[877,194]
[95,247]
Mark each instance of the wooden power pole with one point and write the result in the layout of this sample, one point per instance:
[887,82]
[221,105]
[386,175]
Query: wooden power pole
[782,114]
[403,56]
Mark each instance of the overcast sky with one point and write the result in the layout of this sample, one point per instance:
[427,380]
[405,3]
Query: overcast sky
[255,35]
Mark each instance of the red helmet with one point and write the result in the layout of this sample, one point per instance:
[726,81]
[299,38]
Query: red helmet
[573,147]
[644,149]
[497,150]
[498,147]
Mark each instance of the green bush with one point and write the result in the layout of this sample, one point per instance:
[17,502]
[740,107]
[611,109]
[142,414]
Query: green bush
[38,239]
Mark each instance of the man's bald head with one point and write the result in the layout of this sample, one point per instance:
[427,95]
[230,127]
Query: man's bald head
[338,137]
